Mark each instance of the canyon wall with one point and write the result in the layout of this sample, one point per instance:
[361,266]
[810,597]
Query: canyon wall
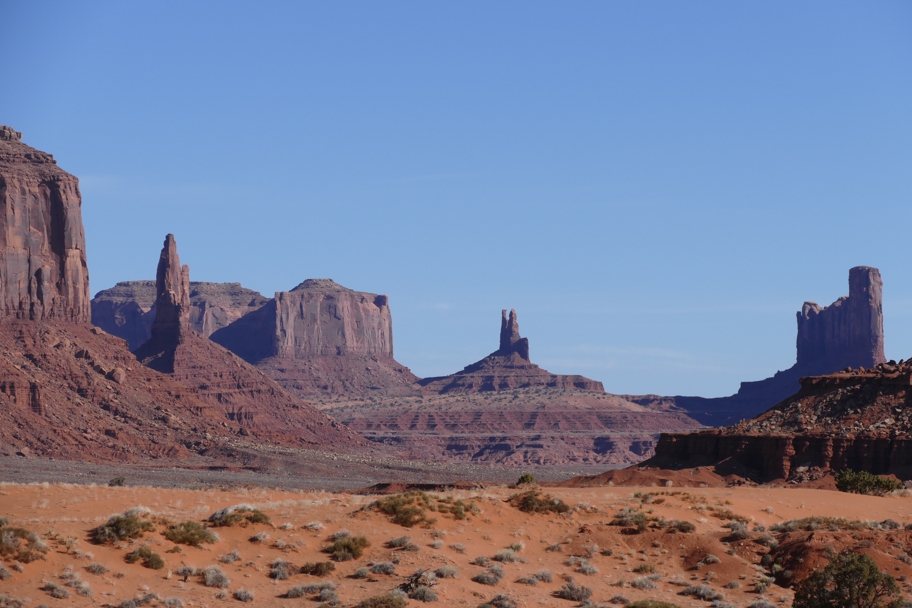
[43,268]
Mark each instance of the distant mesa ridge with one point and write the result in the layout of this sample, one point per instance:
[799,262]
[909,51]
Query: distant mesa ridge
[508,367]
[847,333]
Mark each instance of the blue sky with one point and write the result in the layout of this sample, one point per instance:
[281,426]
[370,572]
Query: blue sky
[656,187]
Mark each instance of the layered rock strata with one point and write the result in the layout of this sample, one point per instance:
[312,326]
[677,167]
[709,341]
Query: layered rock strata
[847,333]
[506,368]
[225,382]
[43,268]
[127,310]
[321,337]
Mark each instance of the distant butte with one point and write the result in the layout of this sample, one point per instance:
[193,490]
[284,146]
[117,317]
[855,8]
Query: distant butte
[847,333]
[506,368]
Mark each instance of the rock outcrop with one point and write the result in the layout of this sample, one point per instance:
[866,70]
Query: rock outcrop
[506,368]
[43,268]
[321,337]
[127,310]
[847,333]
[225,382]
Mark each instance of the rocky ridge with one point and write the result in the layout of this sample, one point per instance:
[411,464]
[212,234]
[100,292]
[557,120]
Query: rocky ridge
[847,333]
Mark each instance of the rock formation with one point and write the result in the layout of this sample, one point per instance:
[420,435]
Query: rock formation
[43,269]
[506,368]
[321,337]
[225,382]
[847,333]
[127,310]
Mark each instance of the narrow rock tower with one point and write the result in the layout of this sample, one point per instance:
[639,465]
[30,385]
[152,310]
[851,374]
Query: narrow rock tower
[510,340]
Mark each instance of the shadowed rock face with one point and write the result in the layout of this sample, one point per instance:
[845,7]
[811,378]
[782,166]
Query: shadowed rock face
[847,333]
[43,269]
[506,368]
[127,310]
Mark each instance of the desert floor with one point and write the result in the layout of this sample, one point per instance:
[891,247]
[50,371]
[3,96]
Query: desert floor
[59,511]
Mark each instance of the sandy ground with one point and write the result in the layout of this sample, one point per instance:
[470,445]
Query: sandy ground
[57,512]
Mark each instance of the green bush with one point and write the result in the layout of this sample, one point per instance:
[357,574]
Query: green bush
[117,482]
[348,548]
[318,569]
[534,501]
[850,580]
[149,558]
[862,482]
[526,479]
[190,533]
[121,527]
[410,509]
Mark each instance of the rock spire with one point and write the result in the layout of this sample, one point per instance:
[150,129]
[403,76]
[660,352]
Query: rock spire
[172,294]
[510,340]
[43,268]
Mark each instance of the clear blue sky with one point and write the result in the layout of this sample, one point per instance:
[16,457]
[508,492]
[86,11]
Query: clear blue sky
[656,187]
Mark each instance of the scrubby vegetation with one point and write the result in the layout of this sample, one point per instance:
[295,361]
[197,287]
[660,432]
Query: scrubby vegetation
[383,601]
[526,479]
[131,525]
[20,544]
[850,580]
[572,591]
[862,482]
[318,568]
[149,558]
[348,548]
[630,518]
[190,533]
[214,577]
[238,515]
[535,501]
[410,509]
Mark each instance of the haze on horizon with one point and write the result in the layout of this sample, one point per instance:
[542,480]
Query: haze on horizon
[655,187]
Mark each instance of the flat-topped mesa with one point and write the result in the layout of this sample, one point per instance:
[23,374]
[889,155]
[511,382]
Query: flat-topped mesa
[510,340]
[172,294]
[43,268]
[848,332]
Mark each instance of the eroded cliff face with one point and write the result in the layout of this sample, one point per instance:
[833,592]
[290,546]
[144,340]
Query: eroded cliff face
[506,368]
[847,333]
[43,269]
[127,310]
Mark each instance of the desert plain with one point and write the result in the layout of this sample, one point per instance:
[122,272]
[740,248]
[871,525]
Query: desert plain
[583,545]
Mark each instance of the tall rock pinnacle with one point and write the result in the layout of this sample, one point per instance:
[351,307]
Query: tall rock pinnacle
[848,332]
[172,288]
[43,270]
[510,340]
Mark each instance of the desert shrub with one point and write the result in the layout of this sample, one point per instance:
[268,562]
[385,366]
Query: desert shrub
[383,568]
[423,593]
[447,572]
[187,571]
[585,567]
[761,603]
[739,530]
[482,561]
[348,548]
[172,602]
[295,592]
[96,568]
[238,515]
[500,601]
[619,599]
[862,482]
[544,576]
[398,543]
[534,501]
[630,518]
[458,547]
[526,479]
[242,595]
[507,556]
[5,574]
[711,559]
[572,591]
[681,526]
[339,535]
[190,533]
[259,537]
[643,583]
[122,527]
[361,573]
[383,601]
[55,590]
[733,585]
[491,576]
[645,569]
[701,592]
[230,558]
[280,570]
[723,604]
[10,602]
[117,482]
[850,580]
[149,558]
[834,524]
[214,577]
[527,580]
[651,604]
[318,569]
